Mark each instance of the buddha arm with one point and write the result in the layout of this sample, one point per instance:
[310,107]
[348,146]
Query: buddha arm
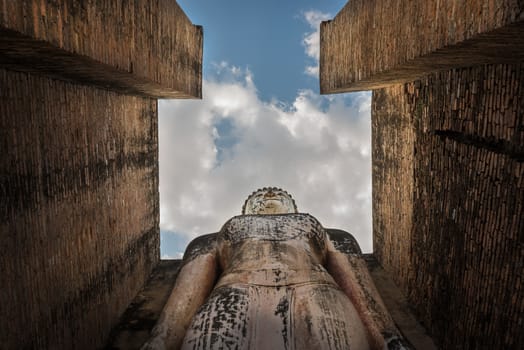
[193,285]
[349,270]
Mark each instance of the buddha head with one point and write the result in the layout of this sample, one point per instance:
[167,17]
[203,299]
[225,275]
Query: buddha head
[269,200]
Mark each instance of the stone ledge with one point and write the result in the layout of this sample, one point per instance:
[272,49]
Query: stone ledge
[398,306]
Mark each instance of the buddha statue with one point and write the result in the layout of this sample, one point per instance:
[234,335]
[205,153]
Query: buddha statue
[274,278]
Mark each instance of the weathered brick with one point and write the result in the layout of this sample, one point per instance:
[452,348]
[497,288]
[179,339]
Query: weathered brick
[79,210]
[459,226]
[373,43]
[142,47]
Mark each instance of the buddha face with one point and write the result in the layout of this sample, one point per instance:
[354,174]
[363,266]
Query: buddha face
[269,200]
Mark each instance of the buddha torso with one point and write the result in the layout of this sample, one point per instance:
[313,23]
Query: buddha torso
[267,281]
[272,250]
[273,291]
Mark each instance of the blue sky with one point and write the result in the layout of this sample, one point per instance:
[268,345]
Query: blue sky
[264,36]
[261,122]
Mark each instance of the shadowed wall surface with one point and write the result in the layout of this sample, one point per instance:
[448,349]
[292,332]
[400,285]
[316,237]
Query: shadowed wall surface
[448,196]
[79,166]
[79,228]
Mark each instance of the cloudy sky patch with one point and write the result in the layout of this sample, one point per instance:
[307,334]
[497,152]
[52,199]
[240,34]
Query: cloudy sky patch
[311,40]
[214,152]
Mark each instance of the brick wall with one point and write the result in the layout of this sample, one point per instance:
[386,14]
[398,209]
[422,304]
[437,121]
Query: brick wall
[79,210]
[79,165]
[140,47]
[372,43]
[463,268]
[393,140]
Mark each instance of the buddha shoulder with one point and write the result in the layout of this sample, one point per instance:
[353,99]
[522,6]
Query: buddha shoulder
[279,227]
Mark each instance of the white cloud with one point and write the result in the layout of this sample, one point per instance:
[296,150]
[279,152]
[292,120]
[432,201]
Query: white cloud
[317,148]
[311,40]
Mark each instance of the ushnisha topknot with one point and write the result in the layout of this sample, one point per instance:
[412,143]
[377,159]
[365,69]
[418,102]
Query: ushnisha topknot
[269,200]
